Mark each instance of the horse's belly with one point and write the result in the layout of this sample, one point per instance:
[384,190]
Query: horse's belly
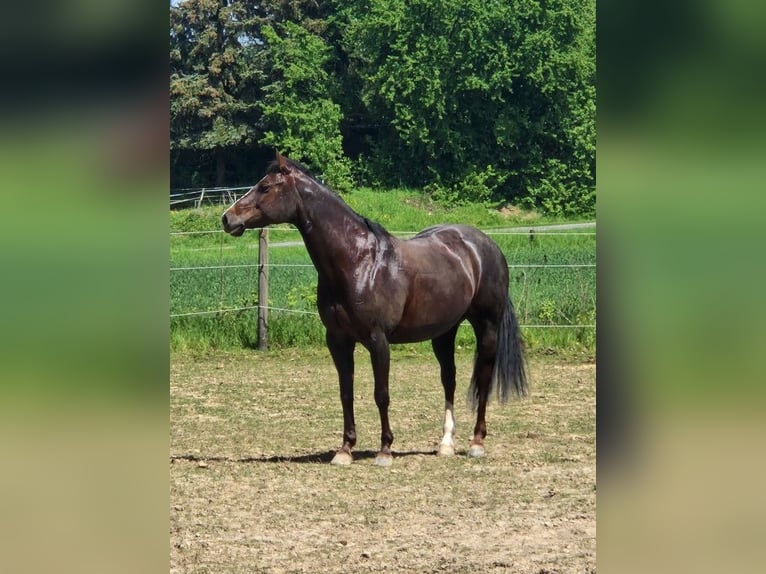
[429,314]
[418,333]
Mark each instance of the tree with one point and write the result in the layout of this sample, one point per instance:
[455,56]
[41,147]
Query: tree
[214,80]
[299,113]
[471,100]
[478,99]
[222,72]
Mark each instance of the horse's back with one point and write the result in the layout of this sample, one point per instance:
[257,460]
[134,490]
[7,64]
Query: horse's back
[481,256]
[457,230]
[462,239]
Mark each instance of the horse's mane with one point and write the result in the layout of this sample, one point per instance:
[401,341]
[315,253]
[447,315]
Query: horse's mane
[274,168]
[373,226]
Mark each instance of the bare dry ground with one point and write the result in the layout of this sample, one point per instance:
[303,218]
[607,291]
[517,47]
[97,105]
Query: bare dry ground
[252,491]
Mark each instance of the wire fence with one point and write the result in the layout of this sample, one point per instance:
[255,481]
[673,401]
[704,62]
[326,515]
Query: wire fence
[405,234]
[246,265]
[197,197]
[224,266]
[316,313]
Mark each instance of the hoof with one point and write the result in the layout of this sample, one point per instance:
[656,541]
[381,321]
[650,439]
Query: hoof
[476,451]
[384,460]
[446,450]
[342,458]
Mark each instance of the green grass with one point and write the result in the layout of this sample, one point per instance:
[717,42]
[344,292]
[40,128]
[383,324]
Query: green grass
[542,295]
[396,210]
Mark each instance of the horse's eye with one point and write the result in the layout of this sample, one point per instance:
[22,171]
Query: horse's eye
[265,187]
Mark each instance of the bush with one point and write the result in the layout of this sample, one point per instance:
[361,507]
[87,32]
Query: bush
[478,187]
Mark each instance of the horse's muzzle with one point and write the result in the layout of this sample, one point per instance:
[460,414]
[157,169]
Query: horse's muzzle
[235,230]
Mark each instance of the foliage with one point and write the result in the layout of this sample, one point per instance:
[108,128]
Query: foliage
[480,187]
[186,220]
[476,101]
[460,85]
[212,86]
[300,116]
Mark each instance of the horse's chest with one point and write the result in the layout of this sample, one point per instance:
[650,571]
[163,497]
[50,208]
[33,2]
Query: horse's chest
[340,318]
[360,306]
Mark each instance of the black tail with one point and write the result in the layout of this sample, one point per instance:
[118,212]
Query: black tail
[510,371]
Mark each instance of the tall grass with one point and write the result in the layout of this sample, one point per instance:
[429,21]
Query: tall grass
[543,296]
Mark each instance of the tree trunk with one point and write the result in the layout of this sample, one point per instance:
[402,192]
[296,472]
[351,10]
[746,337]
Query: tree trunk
[220,168]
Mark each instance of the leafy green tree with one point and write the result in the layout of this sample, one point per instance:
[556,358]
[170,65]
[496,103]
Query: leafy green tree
[223,76]
[478,99]
[299,113]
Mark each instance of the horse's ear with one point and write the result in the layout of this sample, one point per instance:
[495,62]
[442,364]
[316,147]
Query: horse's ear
[283,167]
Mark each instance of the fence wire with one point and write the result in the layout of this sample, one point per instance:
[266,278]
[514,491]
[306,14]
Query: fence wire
[316,313]
[544,230]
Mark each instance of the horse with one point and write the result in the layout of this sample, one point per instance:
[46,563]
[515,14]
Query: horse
[376,289]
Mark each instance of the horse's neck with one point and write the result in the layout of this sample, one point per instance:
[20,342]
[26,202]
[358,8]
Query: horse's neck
[331,232]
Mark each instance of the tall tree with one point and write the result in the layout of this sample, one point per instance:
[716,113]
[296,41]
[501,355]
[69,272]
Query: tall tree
[214,77]
[300,116]
[474,100]
[222,72]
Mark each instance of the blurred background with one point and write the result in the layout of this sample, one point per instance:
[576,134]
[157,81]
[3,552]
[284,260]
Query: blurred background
[83,336]
[680,181]
[84,360]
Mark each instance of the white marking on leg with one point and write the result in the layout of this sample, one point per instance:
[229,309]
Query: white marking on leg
[447,445]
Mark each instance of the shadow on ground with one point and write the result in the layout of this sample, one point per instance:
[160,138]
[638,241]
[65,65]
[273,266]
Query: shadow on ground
[311,458]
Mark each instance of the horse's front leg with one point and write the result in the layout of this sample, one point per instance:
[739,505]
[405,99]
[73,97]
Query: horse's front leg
[380,355]
[342,351]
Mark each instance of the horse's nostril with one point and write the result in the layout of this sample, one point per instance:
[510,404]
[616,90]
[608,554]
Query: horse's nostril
[223,220]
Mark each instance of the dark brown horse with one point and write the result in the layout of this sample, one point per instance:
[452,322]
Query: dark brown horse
[375,289]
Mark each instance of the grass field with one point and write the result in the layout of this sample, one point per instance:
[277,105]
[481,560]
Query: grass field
[251,490]
[543,293]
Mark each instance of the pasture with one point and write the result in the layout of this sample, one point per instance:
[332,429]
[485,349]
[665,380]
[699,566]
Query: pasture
[553,280]
[252,491]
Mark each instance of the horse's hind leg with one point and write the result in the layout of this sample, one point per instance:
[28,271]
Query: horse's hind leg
[486,350]
[444,349]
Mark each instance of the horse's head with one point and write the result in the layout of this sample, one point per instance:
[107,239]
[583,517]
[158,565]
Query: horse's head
[274,199]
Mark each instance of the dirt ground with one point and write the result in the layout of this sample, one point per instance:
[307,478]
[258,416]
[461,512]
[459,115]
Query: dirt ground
[252,491]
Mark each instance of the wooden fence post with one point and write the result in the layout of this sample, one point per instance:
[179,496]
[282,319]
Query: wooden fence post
[263,289]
